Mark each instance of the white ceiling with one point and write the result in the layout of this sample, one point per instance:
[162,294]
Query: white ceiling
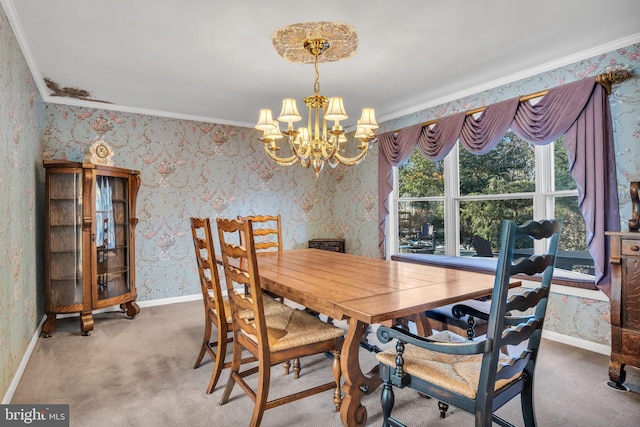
[214,61]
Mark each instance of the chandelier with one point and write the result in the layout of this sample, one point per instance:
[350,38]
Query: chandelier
[316,144]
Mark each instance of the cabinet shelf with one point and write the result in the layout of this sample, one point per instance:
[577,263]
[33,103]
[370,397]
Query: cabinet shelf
[114,270]
[87,205]
[70,276]
[115,248]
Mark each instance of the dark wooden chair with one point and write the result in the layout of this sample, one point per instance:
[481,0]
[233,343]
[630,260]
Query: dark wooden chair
[270,339]
[482,246]
[445,318]
[426,232]
[474,375]
[216,308]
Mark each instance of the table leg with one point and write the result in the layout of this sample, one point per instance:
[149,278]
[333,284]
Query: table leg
[423,327]
[356,383]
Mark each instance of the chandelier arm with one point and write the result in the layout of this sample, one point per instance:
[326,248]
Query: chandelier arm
[351,161]
[333,162]
[329,154]
[301,154]
[282,161]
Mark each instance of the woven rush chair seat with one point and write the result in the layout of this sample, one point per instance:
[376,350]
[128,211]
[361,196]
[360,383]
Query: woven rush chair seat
[295,328]
[458,373]
[271,307]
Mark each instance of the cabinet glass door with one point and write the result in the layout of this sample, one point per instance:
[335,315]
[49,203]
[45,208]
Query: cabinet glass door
[65,239]
[112,236]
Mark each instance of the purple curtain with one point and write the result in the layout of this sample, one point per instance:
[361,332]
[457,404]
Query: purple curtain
[395,149]
[580,111]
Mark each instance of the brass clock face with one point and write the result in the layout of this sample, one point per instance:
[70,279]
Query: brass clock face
[102,151]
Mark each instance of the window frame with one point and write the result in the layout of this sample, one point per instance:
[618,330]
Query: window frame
[543,198]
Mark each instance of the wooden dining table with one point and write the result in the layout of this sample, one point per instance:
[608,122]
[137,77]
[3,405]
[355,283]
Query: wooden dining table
[364,291]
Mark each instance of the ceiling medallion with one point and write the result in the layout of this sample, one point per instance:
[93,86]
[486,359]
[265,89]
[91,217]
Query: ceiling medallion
[289,41]
[315,144]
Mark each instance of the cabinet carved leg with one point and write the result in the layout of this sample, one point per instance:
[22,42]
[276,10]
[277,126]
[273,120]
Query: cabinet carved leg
[617,375]
[49,325]
[86,323]
[131,308]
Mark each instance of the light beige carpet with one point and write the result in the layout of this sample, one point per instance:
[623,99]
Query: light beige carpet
[140,373]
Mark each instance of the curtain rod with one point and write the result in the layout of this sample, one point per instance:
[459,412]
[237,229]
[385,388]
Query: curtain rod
[604,79]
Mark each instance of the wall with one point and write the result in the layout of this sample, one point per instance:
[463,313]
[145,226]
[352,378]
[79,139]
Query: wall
[21,300]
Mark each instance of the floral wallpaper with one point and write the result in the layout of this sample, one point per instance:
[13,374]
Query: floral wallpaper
[203,169]
[20,185]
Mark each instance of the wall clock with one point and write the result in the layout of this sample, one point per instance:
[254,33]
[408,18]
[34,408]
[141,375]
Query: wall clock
[99,153]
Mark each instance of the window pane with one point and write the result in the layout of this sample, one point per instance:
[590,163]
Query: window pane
[509,168]
[572,252]
[484,218]
[562,178]
[420,227]
[421,177]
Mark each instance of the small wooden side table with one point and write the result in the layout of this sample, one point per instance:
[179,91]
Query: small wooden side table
[335,245]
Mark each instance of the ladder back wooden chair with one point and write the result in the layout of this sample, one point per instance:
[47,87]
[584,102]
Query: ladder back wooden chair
[216,308]
[443,318]
[267,232]
[446,319]
[474,375]
[267,236]
[273,339]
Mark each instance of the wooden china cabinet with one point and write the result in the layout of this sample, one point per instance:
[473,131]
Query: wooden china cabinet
[89,240]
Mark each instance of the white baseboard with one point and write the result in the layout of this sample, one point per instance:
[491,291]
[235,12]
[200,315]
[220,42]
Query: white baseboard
[23,365]
[577,342]
[34,339]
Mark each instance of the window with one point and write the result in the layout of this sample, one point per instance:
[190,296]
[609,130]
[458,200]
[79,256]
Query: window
[466,194]
[421,210]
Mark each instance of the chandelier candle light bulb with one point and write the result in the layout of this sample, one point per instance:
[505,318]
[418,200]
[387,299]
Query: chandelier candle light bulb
[315,145]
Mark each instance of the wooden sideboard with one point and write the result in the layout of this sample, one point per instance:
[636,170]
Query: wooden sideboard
[625,305]
[335,245]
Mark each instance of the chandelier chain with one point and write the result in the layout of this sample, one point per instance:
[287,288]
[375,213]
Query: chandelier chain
[316,85]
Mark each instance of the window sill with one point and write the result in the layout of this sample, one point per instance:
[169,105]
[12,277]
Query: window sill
[488,265]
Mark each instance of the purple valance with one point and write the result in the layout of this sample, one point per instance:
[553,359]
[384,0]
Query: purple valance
[579,111]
